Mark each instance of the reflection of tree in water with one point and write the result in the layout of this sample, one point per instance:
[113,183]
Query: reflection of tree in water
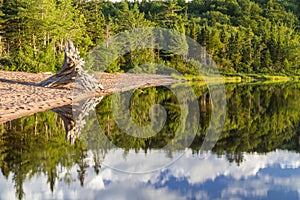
[97,161]
[141,102]
[260,118]
[52,176]
[18,167]
[26,149]
[82,164]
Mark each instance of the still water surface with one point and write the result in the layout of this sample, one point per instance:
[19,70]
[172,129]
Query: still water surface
[256,156]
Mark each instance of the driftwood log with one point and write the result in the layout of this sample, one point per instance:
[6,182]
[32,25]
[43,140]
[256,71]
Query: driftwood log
[72,70]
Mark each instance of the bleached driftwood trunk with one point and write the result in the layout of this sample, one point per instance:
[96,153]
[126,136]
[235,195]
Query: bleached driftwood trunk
[72,71]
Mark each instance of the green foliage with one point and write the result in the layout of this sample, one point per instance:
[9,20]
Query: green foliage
[243,36]
[35,32]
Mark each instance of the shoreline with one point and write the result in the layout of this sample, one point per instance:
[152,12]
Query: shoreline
[239,78]
[19,96]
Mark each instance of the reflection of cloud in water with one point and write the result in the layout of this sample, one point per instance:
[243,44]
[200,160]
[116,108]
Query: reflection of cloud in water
[6,188]
[259,176]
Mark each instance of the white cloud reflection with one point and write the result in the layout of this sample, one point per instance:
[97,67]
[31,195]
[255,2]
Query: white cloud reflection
[251,179]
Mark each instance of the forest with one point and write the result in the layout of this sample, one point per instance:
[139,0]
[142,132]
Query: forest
[242,36]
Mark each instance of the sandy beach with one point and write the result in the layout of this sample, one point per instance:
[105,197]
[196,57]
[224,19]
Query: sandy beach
[19,96]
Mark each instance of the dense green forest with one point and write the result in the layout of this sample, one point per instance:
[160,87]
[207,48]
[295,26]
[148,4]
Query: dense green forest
[242,36]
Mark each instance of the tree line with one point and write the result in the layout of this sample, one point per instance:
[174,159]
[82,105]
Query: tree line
[242,36]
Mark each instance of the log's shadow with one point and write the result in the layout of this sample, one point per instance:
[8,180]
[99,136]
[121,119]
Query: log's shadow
[17,82]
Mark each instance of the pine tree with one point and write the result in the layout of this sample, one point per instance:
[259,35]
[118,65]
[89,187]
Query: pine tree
[34,30]
[95,22]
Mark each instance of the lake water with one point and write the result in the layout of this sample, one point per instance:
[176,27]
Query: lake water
[256,154]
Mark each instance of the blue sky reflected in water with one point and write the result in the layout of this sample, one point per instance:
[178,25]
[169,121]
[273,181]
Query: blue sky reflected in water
[275,175]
